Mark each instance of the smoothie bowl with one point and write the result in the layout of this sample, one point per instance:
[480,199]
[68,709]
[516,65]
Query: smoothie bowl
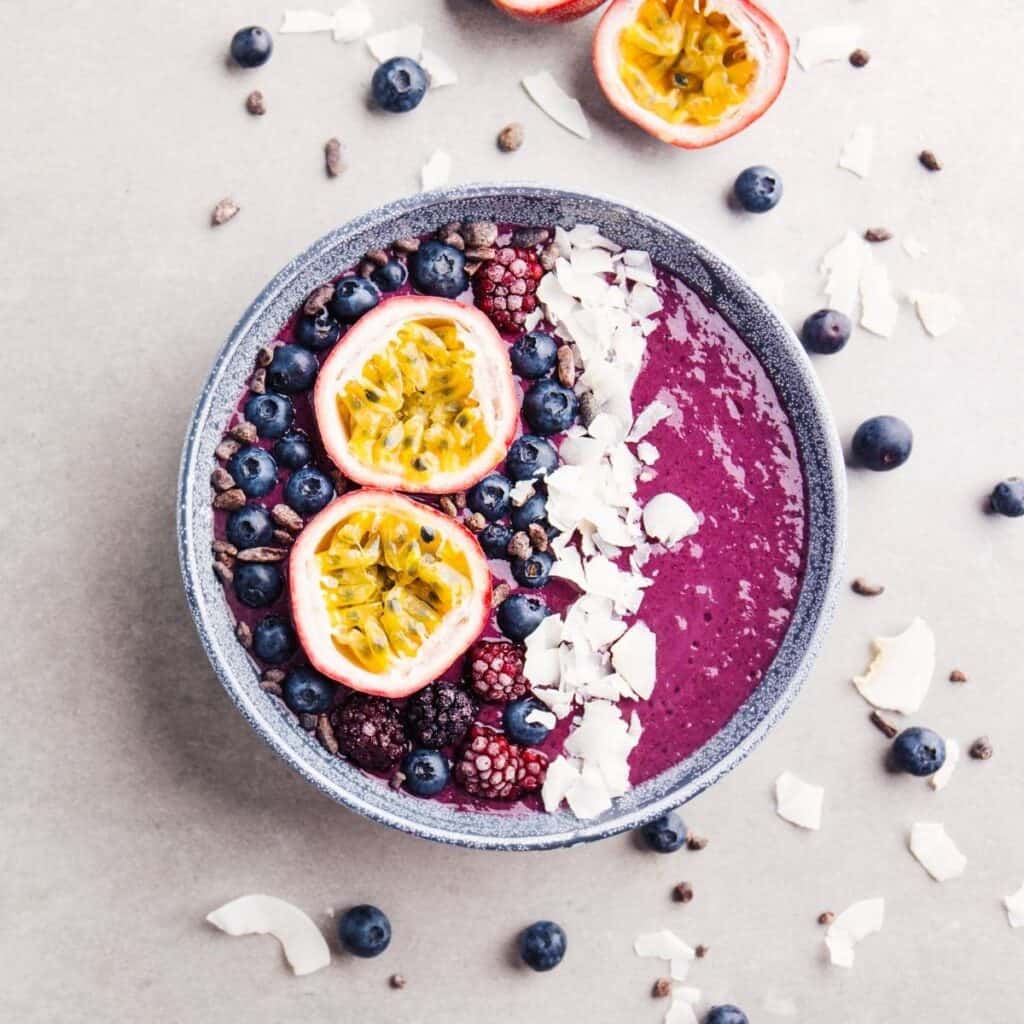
[511,517]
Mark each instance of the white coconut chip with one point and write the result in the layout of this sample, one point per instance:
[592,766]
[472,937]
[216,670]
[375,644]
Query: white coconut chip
[858,151]
[914,249]
[406,41]
[879,308]
[647,453]
[935,851]
[1014,904]
[663,945]
[854,924]
[669,519]
[301,941]
[649,417]
[901,670]
[556,103]
[939,313]
[440,71]
[941,778]
[522,491]
[680,1012]
[348,23]
[842,266]
[437,171]
[634,656]
[544,718]
[820,45]
[798,802]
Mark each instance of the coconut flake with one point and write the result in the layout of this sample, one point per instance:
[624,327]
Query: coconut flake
[820,45]
[1014,904]
[936,852]
[436,171]
[650,416]
[349,22]
[406,41]
[521,492]
[798,802]
[879,308]
[647,453]
[854,924]
[901,670]
[770,286]
[440,71]
[669,519]
[913,248]
[301,941]
[841,267]
[556,103]
[858,151]
[940,779]
[306,21]
[663,945]
[546,719]
[634,658]
[938,312]
[680,1012]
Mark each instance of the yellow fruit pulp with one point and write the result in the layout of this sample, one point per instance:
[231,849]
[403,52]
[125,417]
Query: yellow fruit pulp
[685,66]
[411,410]
[387,582]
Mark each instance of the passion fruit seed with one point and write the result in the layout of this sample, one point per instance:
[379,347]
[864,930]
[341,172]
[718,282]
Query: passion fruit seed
[685,66]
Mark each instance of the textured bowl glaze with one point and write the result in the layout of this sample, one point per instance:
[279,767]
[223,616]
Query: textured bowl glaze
[756,322]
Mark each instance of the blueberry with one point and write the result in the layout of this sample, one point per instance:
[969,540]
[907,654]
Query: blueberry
[520,614]
[426,772]
[258,584]
[542,946]
[273,640]
[317,332]
[391,276]
[307,692]
[918,751]
[533,571]
[518,729]
[882,443]
[533,355]
[254,470]
[494,539]
[271,415]
[550,408]
[1008,497]
[250,527]
[529,457]
[439,269]
[291,369]
[251,47]
[353,296]
[399,85]
[726,1014]
[533,510]
[758,189]
[665,834]
[364,930]
[293,450]
[826,331]
[490,497]
[308,491]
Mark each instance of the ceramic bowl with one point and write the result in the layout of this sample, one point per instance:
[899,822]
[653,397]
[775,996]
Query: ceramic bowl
[699,267]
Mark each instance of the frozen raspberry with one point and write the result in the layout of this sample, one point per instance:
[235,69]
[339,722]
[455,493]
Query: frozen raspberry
[369,731]
[533,768]
[439,715]
[495,669]
[490,766]
[506,287]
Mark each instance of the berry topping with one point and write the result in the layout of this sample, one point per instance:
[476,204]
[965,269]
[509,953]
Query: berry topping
[426,772]
[533,355]
[517,728]
[882,443]
[919,751]
[250,527]
[758,189]
[391,276]
[353,296]
[826,331]
[258,584]
[399,85]
[308,491]
[520,614]
[317,332]
[533,510]
[490,497]
[292,369]
[271,415]
[550,408]
[307,692]
[496,670]
[251,47]
[665,834]
[439,715]
[542,946]
[494,539]
[254,470]
[492,767]
[273,640]
[726,1014]
[1008,497]
[364,931]
[293,450]
[439,269]
[529,457]
[506,287]
[370,732]
[533,571]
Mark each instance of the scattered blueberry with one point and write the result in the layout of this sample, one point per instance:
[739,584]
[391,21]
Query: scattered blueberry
[307,692]
[399,85]
[258,584]
[726,1014]
[391,276]
[533,510]
[364,930]
[1008,497]
[533,571]
[518,729]
[317,332]
[251,47]
[542,946]
[439,269]
[250,527]
[549,407]
[273,640]
[254,470]
[308,491]
[665,834]
[291,369]
[882,443]
[271,415]
[490,497]
[758,189]
[353,296]
[293,450]
[826,331]
[529,457]
[494,538]
[533,355]
[520,614]
[426,772]
[919,751]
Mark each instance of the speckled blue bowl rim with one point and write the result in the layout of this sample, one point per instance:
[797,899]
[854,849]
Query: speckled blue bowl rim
[761,327]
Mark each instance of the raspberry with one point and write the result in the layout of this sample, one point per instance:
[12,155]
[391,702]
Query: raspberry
[492,767]
[439,715]
[369,731]
[533,769]
[496,670]
[506,287]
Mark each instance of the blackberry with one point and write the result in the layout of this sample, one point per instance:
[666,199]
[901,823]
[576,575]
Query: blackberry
[439,715]
[370,733]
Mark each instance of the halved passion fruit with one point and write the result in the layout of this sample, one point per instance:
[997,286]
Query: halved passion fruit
[690,72]
[386,592]
[547,10]
[417,396]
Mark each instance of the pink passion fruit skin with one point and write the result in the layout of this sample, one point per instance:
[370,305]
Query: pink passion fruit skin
[765,40]
[547,10]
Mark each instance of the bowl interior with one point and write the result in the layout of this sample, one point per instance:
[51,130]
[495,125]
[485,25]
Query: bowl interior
[762,330]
